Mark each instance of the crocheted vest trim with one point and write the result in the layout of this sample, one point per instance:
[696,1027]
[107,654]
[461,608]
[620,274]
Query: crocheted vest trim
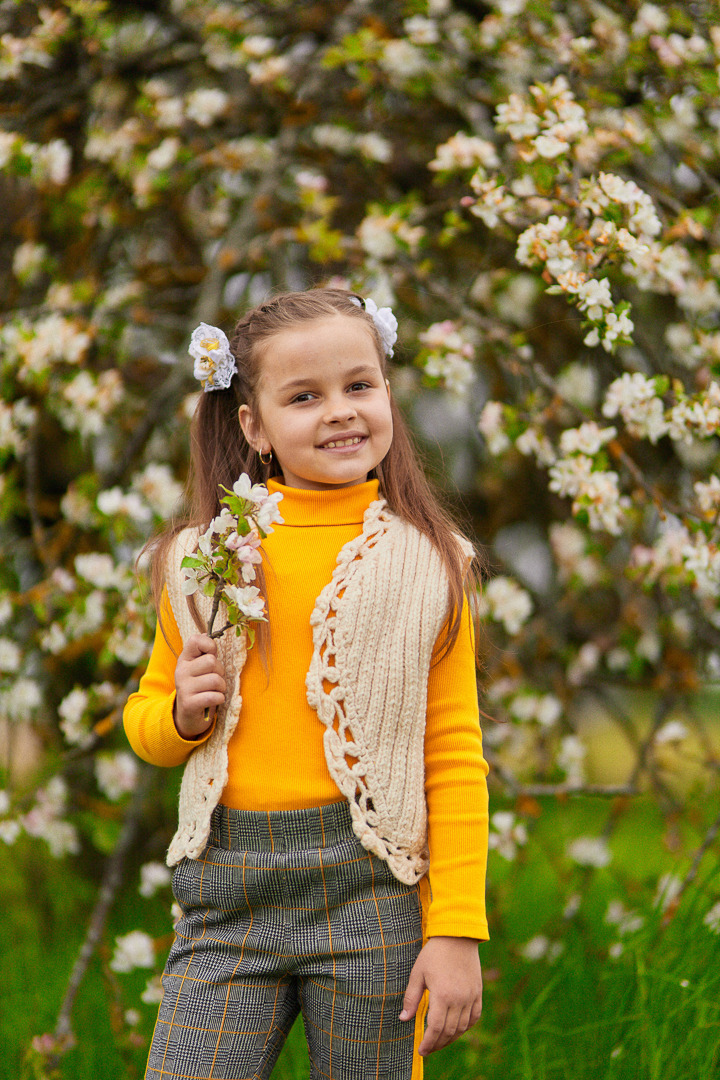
[374,627]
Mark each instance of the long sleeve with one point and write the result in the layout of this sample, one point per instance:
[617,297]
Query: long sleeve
[456,792]
[148,714]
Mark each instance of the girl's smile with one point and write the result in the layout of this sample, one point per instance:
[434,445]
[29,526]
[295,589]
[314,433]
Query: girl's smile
[322,404]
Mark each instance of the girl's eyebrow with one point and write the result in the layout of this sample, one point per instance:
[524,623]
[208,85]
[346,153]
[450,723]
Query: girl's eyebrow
[306,380]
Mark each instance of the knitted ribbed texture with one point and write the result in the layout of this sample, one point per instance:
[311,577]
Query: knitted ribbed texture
[374,628]
[206,771]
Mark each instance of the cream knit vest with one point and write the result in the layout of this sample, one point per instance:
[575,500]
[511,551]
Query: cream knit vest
[374,628]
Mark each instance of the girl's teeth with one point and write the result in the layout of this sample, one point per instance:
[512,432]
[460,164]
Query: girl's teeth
[342,442]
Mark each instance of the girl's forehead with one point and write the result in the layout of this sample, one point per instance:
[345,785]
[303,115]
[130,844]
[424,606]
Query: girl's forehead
[332,340]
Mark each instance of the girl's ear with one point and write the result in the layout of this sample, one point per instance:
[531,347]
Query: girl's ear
[252,431]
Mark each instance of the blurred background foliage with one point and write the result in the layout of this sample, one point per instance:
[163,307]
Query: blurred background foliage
[533,186]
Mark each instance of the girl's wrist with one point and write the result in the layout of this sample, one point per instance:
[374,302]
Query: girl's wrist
[186,733]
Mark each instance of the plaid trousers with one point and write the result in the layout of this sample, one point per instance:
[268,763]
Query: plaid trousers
[284,912]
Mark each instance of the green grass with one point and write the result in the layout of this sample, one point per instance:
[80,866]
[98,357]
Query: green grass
[652,1013]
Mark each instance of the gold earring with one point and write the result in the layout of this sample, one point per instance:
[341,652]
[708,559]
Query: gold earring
[269,456]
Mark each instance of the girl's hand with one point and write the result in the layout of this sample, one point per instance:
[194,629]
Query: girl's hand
[449,969]
[199,685]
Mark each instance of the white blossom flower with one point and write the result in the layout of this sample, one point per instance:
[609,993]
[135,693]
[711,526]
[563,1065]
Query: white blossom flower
[334,137]
[568,544]
[129,646]
[153,992]
[73,723]
[627,922]
[61,838]
[506,602]
[9,831]
[374,147]
[28,260]
[21,700]
[100,570]
[153,876]
[164,155]
[376,237]
[114,501]
[531,442]
[76,507]
[403,60]
[699,296]
[649,646]
[247,599]
[589,438]
[269,70]
[587,660]
[506,834]
[708,495]
[634,397]
[116,774]
[133,950]
[258,45]
[594,297]
[517,118]
[712,919]
[88,400]
[571,758]
[589,851]
[10,656]
[157,485]
[702,560]
[268,513]
[205,105]
[549,710]
[544,243]
[536,948]
[650,19]
[572,906]
[421,30]
[571,476]
[169,112]
[463,151]
[455,370]
[52,162]
[491,427]
[494,201]
[673,731]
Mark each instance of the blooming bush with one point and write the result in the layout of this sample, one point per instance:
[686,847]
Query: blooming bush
[533,189]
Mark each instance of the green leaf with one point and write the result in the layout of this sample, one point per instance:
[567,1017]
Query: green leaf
[192,561]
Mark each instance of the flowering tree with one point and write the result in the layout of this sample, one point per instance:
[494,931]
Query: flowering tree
[534,188]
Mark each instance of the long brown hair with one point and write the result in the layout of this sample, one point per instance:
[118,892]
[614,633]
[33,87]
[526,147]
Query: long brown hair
[220,452]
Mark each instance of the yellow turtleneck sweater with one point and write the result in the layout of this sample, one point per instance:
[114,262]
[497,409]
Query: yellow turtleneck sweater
[276,755]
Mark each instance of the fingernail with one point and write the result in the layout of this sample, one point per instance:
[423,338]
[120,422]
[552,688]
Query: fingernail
[403,1015]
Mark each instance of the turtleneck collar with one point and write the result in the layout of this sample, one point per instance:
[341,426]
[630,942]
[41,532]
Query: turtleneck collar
[336,506]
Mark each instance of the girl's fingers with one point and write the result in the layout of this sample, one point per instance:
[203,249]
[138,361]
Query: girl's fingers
[205,665]
[199,645]
[208,684]
[434,1028]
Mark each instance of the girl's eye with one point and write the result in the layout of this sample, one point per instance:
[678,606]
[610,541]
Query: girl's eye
[360,386]
[300,398]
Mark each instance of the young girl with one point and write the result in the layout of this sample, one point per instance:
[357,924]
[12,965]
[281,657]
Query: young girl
[331,851]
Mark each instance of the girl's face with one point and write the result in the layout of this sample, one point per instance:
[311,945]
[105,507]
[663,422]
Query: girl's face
[322,404]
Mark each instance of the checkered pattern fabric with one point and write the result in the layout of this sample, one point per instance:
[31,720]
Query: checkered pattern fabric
[286,911]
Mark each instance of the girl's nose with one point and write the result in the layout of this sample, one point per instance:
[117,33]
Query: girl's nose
[339,410]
